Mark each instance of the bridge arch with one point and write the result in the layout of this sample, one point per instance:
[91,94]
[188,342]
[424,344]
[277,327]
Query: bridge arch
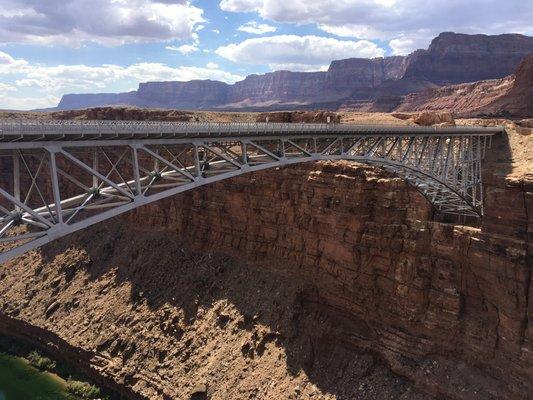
[62,177]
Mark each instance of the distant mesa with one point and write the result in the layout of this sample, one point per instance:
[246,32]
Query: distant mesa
[377,84]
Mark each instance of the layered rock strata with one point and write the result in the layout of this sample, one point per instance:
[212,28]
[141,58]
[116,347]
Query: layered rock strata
[335,259]
[451,58]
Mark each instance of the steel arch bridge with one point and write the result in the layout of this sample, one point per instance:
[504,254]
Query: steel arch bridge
[59,177]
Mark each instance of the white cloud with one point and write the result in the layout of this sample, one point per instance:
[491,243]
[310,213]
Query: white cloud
[241,5]
[307,52]
[38,86]
[184,49]
[109,22]
[352,30]
[406,44]
[4,87]
[28,103]
[256,28]
[216,31]
[9,65]
[401,21]
[212,65]
[153,72]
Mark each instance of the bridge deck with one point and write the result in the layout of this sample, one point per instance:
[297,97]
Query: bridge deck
[67,131]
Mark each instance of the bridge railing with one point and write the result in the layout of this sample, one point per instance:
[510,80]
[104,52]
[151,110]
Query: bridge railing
[24,130]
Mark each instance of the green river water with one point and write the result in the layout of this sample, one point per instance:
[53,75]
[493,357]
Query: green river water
[20,381]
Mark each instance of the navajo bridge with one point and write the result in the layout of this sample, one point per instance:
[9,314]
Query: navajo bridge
[59,177]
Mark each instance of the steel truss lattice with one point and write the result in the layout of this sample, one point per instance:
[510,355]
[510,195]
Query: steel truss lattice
[60,177]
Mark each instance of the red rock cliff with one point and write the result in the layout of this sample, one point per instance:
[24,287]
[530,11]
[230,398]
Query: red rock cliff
[447,306]
[451,58]
[457,58]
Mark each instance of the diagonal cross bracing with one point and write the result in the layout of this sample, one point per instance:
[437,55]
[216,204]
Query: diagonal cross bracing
[60,177]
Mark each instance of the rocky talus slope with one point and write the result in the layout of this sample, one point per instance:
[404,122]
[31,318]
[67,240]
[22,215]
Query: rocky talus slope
[465,98]
[511,96]
[519,100]
[313,281]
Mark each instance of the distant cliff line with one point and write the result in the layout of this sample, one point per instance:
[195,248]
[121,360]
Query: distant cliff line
[450,59]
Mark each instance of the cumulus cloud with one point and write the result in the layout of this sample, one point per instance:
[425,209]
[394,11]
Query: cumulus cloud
[109,22]
[256,28]
[305,52]
[405,44]
[9,65]
[4,87]
[241,5]
[28,103]
[394,19]
[48,83]
[184,49]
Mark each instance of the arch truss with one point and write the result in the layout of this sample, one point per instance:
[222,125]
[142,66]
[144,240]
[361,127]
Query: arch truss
[59,177]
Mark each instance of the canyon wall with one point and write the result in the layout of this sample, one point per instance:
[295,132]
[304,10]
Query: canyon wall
[457,58]
[461,99]
[451,58]
[197,94]
[334,258]
[277,87]
[448,306]
[76,101]
[510,96]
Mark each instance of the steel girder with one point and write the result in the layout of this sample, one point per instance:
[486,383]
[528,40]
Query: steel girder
[65,177]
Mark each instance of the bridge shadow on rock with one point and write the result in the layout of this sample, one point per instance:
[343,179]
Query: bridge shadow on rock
[241,331]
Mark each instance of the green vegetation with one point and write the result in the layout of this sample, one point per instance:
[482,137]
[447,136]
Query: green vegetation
[40,362]
[27,374]
[83,390]
[19,380]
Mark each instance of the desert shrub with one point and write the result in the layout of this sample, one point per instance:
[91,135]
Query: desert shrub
[83,390]
[40,362]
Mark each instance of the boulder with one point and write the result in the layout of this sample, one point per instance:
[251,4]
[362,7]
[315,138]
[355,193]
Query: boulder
[434,118]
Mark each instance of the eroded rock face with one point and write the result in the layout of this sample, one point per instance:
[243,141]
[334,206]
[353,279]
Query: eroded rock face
[518,102]
[278,87]
[434,118]
[355,76]
[168,323]
[76,101]
[451,58]
[456,58]
[196,94]
[299,116]
[123,114]
[510,96]
[463,99]
[334,258]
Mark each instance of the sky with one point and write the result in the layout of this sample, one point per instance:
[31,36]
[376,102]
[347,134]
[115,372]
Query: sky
[52,47]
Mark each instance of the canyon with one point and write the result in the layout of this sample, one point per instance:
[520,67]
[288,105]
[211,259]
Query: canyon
[327,280]
[347,84]
[511,96]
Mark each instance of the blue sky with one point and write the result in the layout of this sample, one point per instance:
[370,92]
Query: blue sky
[52,47]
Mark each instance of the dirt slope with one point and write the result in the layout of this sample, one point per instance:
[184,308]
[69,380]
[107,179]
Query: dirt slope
[466,98]
[334,275]
[511,96]
[174,324]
